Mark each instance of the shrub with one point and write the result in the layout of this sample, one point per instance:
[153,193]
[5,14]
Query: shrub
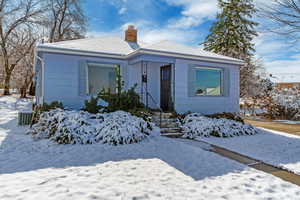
[122,100]
[53,105]
[195,125]
[79,127]
[144,113]
[226,115]
[92,106]
[38,110]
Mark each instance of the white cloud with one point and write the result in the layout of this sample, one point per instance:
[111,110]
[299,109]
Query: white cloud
[285,70]
[122,10]
[194,12]
[280,58]
[156,35]
[269,46]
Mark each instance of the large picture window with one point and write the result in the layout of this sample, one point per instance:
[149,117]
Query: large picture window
[208,81]
[101,76]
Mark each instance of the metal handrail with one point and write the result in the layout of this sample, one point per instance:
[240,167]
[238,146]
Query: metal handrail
[157,105]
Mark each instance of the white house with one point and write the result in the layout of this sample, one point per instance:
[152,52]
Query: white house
[168,75]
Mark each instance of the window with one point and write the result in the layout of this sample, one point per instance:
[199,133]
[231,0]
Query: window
[208,81]
[101,76]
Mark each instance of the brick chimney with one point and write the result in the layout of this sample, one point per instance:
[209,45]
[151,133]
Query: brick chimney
[131,34]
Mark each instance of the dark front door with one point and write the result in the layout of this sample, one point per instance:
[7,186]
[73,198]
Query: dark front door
[165,88]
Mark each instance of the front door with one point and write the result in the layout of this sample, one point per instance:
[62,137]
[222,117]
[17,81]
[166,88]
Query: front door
[165,88]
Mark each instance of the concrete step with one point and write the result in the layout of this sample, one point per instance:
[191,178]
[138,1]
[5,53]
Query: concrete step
[170,130]
[165,121]
[164,114]
[169,125]
[172,135]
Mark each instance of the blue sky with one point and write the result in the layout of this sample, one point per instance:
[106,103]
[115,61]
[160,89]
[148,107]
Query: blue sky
[188,22]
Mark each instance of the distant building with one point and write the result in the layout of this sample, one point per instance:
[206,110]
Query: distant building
[288,85]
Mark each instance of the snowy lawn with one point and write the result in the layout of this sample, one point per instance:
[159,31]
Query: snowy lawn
[156,168]
[273,147]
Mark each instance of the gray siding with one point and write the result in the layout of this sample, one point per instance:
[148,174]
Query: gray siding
[62,78]
[153,73]
[184,99]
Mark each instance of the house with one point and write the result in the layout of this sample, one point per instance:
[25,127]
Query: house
[168,75]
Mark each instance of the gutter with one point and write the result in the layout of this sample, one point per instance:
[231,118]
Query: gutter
[136,52]
[78,52]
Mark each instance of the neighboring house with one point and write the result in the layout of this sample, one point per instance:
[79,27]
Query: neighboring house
[169,75]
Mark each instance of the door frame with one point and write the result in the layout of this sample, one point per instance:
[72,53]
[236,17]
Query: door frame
[169,102]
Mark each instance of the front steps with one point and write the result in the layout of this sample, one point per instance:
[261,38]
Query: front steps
[169,123]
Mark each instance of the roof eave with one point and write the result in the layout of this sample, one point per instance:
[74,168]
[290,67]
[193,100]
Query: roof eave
[78,52]
[138,51]
[186,56]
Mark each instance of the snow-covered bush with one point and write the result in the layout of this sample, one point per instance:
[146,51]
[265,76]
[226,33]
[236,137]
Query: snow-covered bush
[287,103]
[74,127]
[195,125]
[277,104]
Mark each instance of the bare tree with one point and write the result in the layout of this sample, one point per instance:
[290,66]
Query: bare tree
[285,15]
[15,15]
[24,73]
[64,20]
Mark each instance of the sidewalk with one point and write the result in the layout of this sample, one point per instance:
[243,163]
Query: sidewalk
[251,162]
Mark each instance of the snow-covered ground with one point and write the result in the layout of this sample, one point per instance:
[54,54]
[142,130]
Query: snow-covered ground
[158,168]
[273,147]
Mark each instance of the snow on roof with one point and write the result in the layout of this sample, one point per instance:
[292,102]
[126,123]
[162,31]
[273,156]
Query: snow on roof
[172,47]
[106,44]
[117,46]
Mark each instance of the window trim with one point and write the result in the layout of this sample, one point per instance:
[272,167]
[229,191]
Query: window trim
[108,65]
[222,86]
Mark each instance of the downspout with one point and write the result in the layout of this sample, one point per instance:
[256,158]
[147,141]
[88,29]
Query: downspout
[43,77]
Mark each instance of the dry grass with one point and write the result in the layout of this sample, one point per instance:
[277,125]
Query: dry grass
[277,126]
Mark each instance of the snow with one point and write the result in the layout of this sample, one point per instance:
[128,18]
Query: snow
[173,47]
[273,147]
[195,125]
[158,168]
[79,127]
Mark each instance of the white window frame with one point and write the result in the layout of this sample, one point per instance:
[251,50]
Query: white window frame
[221,81]
[109,65]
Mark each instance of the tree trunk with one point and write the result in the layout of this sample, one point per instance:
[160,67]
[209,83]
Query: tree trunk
[23,92]
[32,89]
[7,84]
